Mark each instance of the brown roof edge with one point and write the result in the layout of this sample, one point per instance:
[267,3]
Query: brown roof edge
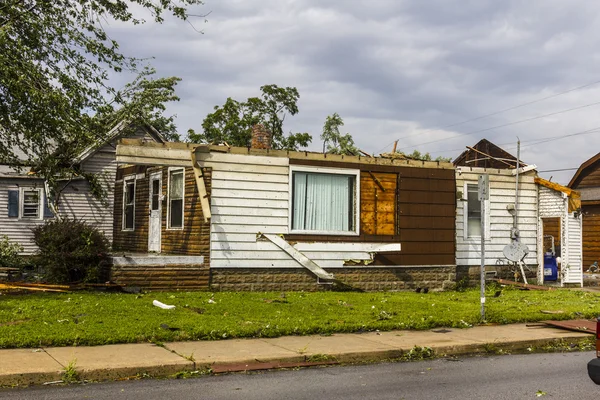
[296,155]
[555,186]
[584,166]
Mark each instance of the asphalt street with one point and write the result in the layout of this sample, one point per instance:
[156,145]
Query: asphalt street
[551,376]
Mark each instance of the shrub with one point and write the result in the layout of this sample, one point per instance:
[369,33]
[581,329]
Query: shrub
[71,250]
[9,253]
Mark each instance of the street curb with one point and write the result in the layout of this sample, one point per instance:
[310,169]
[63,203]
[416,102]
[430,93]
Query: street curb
[356,357]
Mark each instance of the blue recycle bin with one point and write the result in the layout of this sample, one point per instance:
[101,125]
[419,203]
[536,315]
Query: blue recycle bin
[550,268]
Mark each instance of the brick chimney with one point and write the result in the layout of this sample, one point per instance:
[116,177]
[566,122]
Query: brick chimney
[261,138]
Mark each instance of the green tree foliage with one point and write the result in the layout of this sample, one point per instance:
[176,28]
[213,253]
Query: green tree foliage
[333,141]
[233,121]
[417,155]
[143,100]
[55,61]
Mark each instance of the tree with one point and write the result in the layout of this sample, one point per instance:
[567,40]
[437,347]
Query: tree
[233,121]
[417,155]
[55,60]
[333,140]
[143,101]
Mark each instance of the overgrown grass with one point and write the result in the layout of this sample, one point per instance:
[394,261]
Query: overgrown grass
[102,318]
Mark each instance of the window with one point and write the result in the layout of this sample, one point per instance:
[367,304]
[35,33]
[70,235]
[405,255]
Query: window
[31,203]
[473,212]
[129,204]
[176,183]
[28,203]
[324,201]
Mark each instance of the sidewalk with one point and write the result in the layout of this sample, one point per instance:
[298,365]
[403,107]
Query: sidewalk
[38,366]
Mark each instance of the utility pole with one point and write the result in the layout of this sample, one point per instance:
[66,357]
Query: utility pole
[483,194]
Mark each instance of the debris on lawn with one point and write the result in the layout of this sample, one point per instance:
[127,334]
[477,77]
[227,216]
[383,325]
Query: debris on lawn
[44,287]
[163,305]
[168,328]
[552,311]
[525,286]
[577,325]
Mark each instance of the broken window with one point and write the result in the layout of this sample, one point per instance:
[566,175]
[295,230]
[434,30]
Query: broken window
[176,182]
[324,202]
[129,204]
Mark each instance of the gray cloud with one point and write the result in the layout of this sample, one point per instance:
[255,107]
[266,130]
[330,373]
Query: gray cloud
[395,69]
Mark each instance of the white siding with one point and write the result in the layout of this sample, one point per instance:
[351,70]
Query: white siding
[502,194]
[250,195]
[554,203]
[574,258]
[18,230]
[76,200]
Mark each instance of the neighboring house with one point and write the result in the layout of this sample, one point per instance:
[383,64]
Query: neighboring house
[24,201]
[560,219]
[261,219]
[487,158]
[587,181]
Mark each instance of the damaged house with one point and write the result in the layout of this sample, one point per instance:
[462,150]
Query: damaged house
[587,181]
[511,214]
[226,218]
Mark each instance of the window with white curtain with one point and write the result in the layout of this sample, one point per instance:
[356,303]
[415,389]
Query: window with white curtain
[324,202]
[176,188]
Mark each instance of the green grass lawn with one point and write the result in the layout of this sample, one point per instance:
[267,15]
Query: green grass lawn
[84,318]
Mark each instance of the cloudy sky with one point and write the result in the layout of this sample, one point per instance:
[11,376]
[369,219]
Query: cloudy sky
[426,72]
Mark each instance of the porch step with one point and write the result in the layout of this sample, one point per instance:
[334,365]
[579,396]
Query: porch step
[161,272]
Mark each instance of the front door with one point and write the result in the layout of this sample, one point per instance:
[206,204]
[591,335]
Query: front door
[155,212]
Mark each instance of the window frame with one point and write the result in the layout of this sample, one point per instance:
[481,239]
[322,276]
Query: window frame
[170,171]
[40,205]
[331,171]
[127,180]
[486,216]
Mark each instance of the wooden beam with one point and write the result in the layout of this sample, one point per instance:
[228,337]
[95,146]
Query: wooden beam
[493,158]
[201,187]
[377,181]
[299,257]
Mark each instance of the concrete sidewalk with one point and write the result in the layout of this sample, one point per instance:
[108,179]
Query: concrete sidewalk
[38,366]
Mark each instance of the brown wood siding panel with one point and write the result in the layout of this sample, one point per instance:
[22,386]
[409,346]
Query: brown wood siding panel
[426,218]
[426,197]
[551,226]
[591,235]
[136,240]
[591,177]
[194,238]
[377,210]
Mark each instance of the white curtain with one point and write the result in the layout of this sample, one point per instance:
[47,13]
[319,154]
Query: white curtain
[323,202]
[176,189]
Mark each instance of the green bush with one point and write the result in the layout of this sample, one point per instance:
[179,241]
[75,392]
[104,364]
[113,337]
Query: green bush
[9,253]
[71,250]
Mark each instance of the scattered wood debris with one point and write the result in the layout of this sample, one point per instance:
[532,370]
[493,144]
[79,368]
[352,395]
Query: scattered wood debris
[523,285]
[44,287]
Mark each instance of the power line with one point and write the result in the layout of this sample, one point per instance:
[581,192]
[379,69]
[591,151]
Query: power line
[534,142]
[558,170]
[499,112]
[503,125]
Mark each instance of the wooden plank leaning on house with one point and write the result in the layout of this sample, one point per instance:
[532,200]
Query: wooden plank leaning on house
[299,257]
